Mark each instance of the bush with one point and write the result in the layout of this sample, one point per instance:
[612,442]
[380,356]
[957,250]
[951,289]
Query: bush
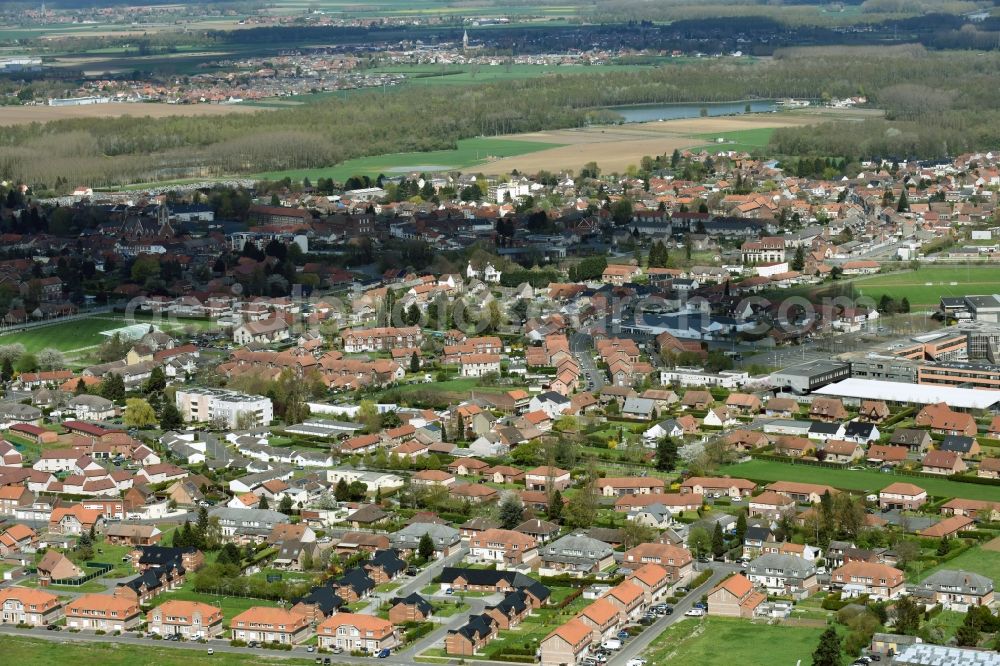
[235,643]
[100,632]
[416,632]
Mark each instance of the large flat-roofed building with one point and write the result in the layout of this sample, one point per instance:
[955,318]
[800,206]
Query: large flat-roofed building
[884,368]
[203,405]
[924,654]
[853,391]
[968,375]
[984,308]
[807,377]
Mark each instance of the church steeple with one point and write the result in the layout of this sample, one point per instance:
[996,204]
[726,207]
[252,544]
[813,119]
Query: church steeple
[465,39]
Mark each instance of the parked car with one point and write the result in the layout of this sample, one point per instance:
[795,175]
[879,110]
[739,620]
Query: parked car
[623,635]
[695,612]
[384,652]
[337,649]
[211,651]
[638,661]
[449,591]
[647,620]
[612,644]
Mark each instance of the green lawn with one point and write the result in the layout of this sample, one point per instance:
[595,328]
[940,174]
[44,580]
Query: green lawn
[438,75]
[742,140]
[231,606]
[447,608]
[724,641]
[34,652]
[469,153]
[977,560]
[927,285]
[767,471]
[79,334]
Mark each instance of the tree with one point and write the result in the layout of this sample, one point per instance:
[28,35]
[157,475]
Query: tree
[741,527]
[699,541]
[968,633]
[836,272]
[27,363]
[555,508]
[341,491]
[425,549]
[511,511]
[113,387]
[285,506]
[157,381]
[907,616]
[666,454]
[414,362]
[51,359]
[262,504]
[170,416]
[138,414]
[828,651]
[582,511]
[904,305]
[799,262]
[718,541]
[903,204]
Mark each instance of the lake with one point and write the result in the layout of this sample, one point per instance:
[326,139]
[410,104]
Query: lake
[641,113]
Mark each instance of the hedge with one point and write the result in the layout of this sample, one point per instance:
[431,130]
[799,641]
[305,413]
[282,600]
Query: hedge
[420,630]
[570,598]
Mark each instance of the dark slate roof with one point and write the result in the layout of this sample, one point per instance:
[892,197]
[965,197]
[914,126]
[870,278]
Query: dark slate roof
[387,560]
[324,597]
[858,429]
[414,599]
[513,604]
[479,627]
[357,579]
[957,443]
[824,428]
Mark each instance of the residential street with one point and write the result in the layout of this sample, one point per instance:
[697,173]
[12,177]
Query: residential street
[634,647]
[581,345]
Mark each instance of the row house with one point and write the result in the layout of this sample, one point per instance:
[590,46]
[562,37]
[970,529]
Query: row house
[879,581]
[630,485]
[676,562]
[381,339]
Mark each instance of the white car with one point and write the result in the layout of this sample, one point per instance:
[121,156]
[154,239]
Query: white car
[695,612]
[636,662]
[612,644]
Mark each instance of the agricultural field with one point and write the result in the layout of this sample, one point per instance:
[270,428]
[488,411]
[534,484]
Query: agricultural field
[766,471]
[716,641]
[19,115]
[926,286]
[616,147]
[36,652]
[980,560]
[438,75]
[470,153]
[741,140]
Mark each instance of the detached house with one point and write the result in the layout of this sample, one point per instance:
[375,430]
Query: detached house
[943,462]
[902,497]
[103,612]
[955,590]
[270,625]
[735,597]
[22,605]
[189,619]
[354,632]
[940,418]
[878,581]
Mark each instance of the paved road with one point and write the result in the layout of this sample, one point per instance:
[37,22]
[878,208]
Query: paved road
[580,344]
[636,646]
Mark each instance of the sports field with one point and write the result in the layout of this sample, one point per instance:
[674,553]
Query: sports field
[470,153]
[767,471]
[926,286]
[717,641]
[80,334]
